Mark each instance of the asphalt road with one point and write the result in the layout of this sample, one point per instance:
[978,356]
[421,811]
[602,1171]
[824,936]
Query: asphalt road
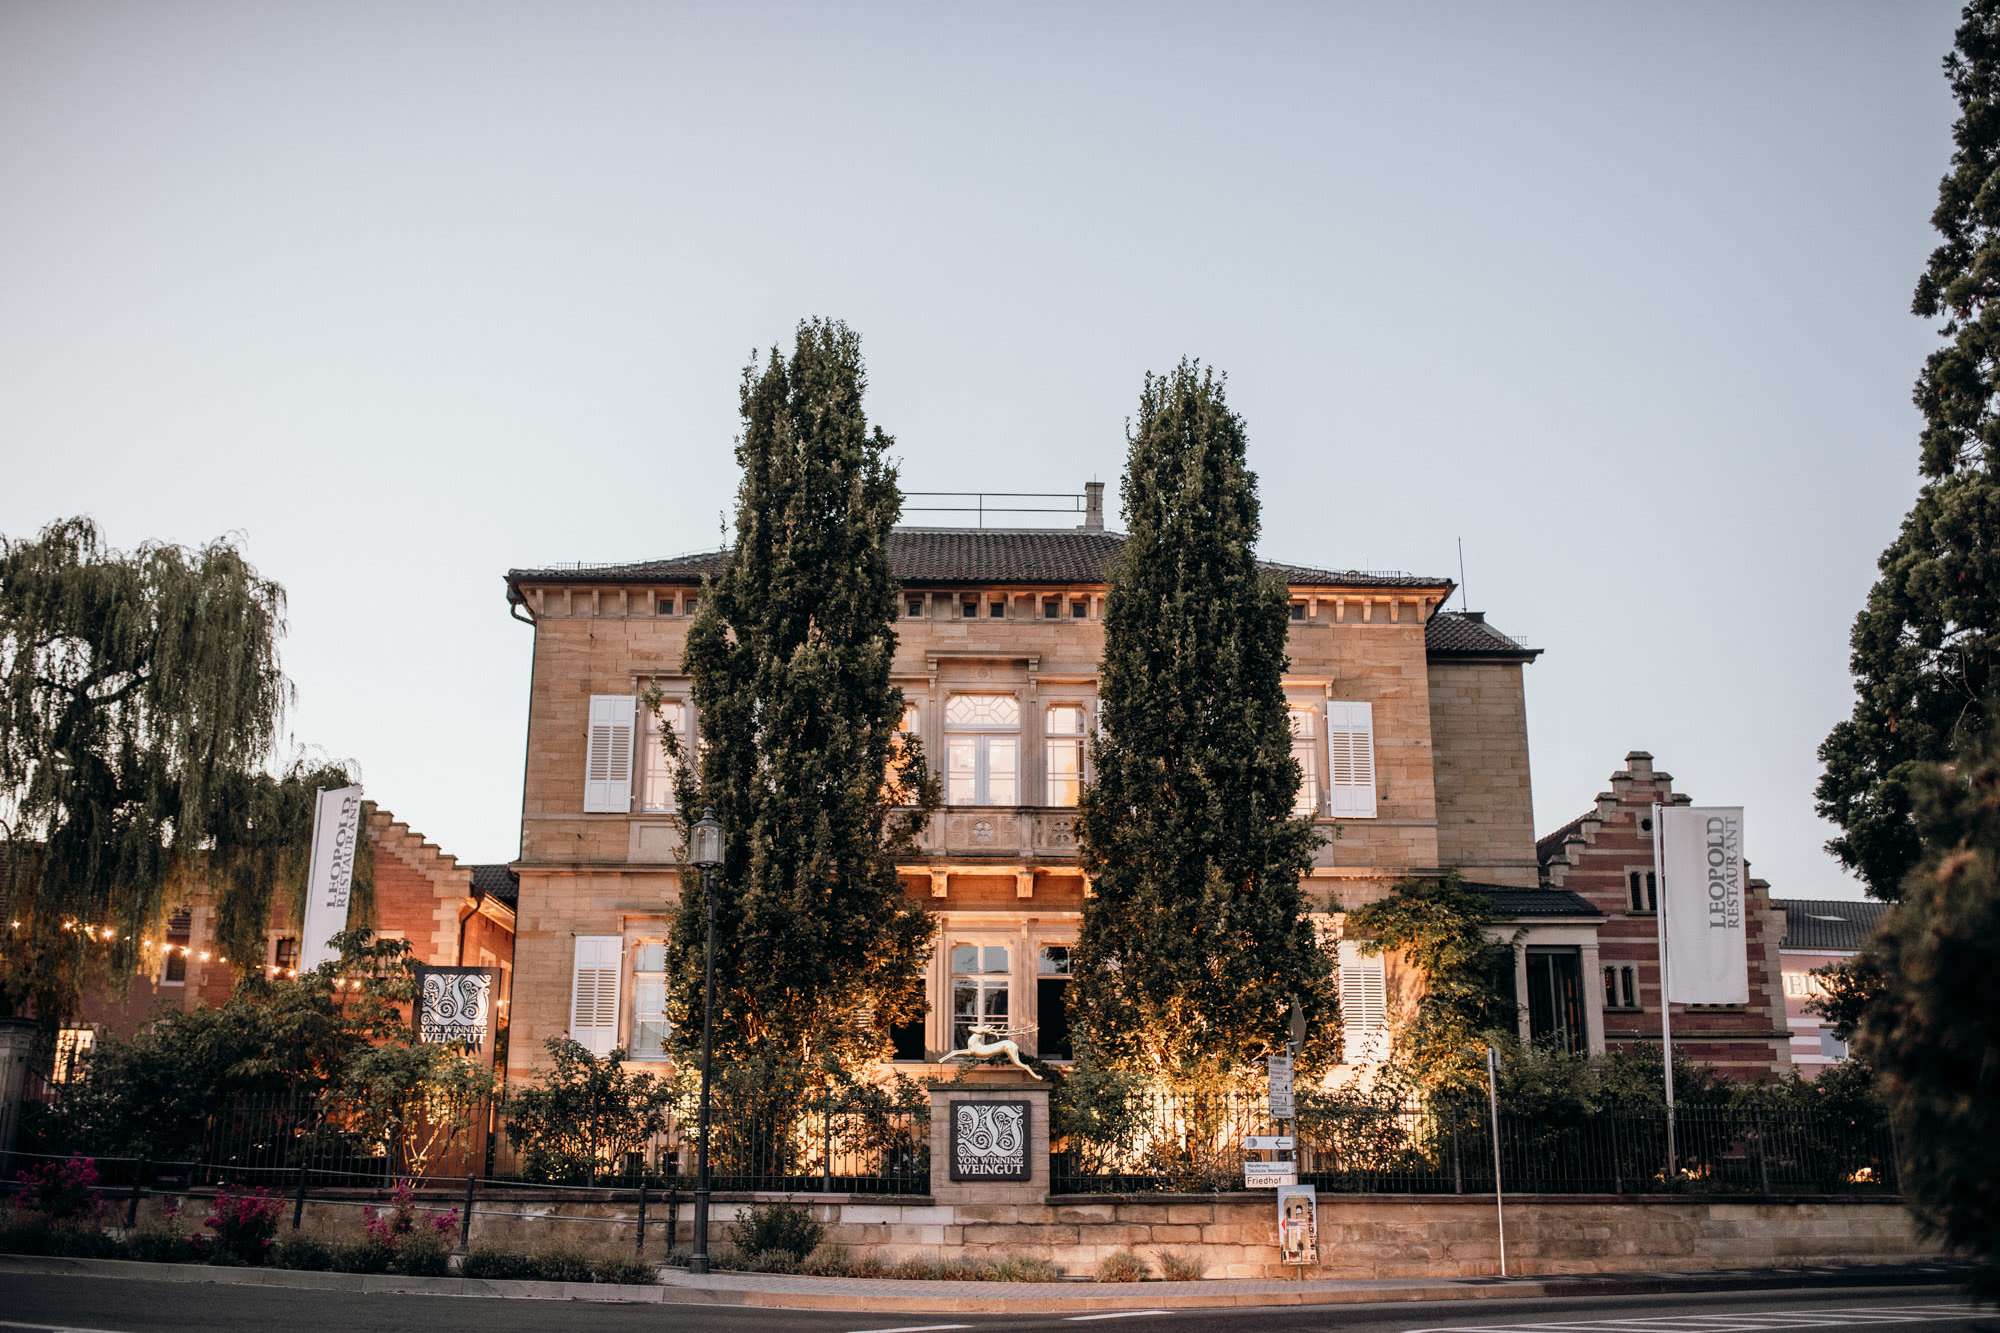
[107,1305]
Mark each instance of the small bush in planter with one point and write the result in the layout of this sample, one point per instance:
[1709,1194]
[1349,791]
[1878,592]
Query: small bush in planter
[244,1224]
[1026,1268]
[422,1254]
[1123,1266]
[632,1272]
[499,1265]
[58,1192]
[306,1253]
[779,1228]
[1178,1267]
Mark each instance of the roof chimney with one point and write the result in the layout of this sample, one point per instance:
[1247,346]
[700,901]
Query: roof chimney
[1093,506]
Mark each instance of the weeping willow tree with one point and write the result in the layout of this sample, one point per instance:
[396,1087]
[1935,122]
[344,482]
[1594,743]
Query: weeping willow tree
[140,703]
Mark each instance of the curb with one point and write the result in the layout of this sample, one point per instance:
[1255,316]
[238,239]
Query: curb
[1007,1298]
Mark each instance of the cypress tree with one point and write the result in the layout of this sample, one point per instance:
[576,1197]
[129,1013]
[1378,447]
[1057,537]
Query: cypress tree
[1196,940]
[1926,646]
[803,761]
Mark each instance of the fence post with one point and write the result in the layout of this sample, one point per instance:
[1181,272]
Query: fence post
[639,1246]
[1457,1168]
[826,1139]
[138,1188]
[1763,1169]
[299,1199]
[1617,1161]
[465,1218]
[673,1216]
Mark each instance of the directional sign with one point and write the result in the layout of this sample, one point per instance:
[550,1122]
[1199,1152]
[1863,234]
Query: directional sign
[1269,1175]
[1280,1072]
[1270,1142]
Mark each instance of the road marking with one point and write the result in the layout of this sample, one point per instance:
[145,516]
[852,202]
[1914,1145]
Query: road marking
[913,1328]
[1752,1321]
[55,1328]
[1115,1314]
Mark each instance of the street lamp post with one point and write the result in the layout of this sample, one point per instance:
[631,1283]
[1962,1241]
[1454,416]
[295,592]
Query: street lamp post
[707,857]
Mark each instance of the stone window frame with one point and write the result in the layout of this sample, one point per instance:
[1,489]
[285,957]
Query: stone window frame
[1312,796]
[1078,739]
[1039,945]
[985,981]
[641,936]
[1622,992]
[679,695]
[1637,877]
[981,736]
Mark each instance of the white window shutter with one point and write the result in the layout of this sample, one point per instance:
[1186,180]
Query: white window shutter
[607,768]
[1350,751]
[593,992]
[1364,1006]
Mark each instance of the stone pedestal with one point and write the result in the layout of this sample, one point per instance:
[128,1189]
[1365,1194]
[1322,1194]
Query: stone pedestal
[990,1138]
[17,1053]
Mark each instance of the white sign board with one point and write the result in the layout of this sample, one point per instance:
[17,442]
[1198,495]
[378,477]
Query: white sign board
[1269,1175]
[1279,1069]
[1702,904]
[336,825]
[1269,1142]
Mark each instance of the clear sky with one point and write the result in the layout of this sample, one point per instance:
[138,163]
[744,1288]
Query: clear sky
[406,293]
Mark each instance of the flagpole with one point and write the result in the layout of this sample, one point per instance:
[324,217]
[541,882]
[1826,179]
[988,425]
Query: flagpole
[1666,1021]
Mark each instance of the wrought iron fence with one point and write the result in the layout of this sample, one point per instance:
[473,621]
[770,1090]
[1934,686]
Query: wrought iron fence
[813,1144]
[1157,1142]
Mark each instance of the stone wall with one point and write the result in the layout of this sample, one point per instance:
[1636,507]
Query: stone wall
[1360,1237]
[1486,808]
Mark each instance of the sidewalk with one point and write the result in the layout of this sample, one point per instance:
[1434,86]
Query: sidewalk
[777,1291]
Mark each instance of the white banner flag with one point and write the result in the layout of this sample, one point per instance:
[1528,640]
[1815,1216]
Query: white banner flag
[1702,904]
[336,824]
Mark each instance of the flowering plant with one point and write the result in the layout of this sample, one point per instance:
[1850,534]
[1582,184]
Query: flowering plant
[64,1191]
[244,1224]
[400,1219]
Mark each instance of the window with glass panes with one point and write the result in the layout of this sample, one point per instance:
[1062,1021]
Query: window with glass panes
[982,749]
[1621,986]
[656,777]
[912,724]
[979,989]
[1305,749]
[1063,753]
[1642,890]
[1052,973]
[649,1000]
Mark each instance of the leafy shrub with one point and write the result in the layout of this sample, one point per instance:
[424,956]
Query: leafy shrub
[1123,1266]
[306,1253]
[499,1265]
[941,1270]
[422,1254]
[632,1272]
[1178,1267]
[584,1115]
[37,1236]
[1027,1268]
[363,1256]
[565,1266]
[64,1191]
[402,1220]
[164,1245]
[244,1224]
[779,1228]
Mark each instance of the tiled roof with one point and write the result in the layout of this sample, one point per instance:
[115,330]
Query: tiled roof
[498,882]
[1508,903]
[1549,846]
[969,556]
[1466,634]
[1834,924]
